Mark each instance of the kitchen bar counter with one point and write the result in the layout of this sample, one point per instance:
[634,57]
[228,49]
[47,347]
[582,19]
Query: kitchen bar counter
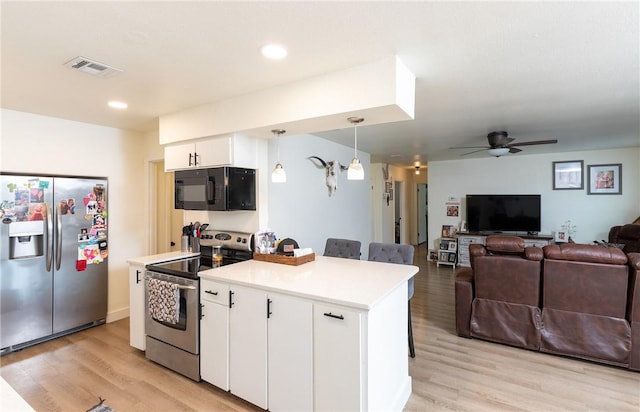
[356,283]
[328,335]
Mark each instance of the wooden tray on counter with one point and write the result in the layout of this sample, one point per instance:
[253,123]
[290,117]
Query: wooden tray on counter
[286,260]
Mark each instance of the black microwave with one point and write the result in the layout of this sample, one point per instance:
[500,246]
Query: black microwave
[219,188]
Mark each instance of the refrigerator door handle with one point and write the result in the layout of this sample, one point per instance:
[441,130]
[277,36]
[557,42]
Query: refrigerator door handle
[49,239]
[58,237]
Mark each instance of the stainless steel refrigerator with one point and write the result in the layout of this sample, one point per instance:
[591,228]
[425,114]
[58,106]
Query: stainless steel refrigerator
[53,257]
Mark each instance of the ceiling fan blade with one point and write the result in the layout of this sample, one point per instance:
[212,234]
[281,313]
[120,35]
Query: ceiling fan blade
[534,143]
[470,147]
[475,151]
[514,150]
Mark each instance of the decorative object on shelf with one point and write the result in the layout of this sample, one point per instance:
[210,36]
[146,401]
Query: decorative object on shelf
[332,168]
[355,172]
[278,175]
[446,230]
[569,229]
[567,175]
[605,179]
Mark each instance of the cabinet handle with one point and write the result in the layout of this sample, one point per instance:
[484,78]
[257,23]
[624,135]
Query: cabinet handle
[230,299]
[269,301]
[190,160]
[137,276]
[211,292]
[195,158]
[201,314]
[331,315]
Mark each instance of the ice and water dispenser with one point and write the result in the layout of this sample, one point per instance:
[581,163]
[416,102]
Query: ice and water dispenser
[26,239]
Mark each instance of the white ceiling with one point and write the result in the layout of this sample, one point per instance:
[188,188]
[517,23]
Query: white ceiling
[540,70]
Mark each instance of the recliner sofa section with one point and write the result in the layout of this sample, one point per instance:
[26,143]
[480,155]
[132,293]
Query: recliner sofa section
[583,301]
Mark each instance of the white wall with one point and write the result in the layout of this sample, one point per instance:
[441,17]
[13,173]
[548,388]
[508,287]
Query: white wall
[301,208]
[532,174]
[45,145]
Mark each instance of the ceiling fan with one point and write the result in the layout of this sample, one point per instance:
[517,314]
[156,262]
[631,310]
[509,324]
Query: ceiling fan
[500,144]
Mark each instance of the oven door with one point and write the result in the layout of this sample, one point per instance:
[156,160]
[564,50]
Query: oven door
[185,333]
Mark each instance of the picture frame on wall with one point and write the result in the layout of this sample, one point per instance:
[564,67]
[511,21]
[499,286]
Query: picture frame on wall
[605,179]
[568,175]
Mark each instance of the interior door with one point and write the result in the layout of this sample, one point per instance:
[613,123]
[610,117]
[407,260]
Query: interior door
[169,221]
[422,213]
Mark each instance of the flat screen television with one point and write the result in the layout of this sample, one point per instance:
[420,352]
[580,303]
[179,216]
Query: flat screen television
[503,213]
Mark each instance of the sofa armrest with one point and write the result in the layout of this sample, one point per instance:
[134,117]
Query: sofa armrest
[464,300]
[614,232]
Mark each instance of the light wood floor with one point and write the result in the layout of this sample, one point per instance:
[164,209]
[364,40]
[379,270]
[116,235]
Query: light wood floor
[449,372]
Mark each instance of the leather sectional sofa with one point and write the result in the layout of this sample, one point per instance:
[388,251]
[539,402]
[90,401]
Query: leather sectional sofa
[574,300]
[627,235]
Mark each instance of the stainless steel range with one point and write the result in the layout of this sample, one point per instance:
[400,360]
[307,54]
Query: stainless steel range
[174,341]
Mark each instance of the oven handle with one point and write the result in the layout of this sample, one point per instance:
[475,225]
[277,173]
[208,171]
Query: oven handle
[184,287]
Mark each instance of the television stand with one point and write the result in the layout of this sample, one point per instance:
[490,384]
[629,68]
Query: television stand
[467,238]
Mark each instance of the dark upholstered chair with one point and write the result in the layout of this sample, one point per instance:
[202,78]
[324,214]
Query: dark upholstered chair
[627,235]
[497,298]
[395,253]
[342,248]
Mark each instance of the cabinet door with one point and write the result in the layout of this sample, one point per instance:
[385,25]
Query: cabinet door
[214,344]
[136,307]
[337,359]
[214,152]
[179,157]
[248,345]
[290,354]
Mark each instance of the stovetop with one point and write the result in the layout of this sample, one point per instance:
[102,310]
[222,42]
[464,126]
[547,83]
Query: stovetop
[186,268]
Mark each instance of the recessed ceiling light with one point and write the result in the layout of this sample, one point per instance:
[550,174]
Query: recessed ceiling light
[274,51]
[118,105]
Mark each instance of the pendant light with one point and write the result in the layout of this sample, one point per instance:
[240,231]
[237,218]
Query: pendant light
[278,175]
[355,172]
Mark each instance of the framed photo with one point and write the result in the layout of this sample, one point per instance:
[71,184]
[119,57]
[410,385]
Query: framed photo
[452,257]
[453,246]
[560,237]
[567,175]
[446,230]
[605,179]
[443,256]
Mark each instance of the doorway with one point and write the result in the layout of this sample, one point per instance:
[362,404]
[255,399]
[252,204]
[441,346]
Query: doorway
[166,221]
[398,208]
[422,208]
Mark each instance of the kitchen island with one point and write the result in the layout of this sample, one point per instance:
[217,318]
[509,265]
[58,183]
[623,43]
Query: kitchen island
[328,335]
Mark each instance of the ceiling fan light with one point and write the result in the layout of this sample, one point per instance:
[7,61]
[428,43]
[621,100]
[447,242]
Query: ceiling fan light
[498,151]
[279,175]
[356,171]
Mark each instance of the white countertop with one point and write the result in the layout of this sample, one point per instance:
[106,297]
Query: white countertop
[356,283]
[162,257]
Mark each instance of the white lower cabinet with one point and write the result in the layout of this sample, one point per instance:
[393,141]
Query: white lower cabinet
[137,337]
[214,333]
[337,359]
[259,347]
[290,353]
[248,344]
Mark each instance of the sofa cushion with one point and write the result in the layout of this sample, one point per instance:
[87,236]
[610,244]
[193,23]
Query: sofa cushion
[586,336]
[507,323]
[585,253]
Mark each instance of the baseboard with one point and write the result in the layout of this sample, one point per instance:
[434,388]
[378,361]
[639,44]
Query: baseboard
[118,314]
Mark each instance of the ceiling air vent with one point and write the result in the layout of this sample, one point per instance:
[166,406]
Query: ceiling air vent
[92,67]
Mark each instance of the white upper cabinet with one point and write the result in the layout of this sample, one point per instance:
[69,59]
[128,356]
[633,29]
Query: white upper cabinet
[233,150]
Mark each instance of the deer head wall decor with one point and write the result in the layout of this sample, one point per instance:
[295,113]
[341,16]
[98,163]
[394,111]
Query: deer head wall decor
[332,169]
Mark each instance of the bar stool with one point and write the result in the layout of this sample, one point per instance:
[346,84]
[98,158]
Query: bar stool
[342,248]
[395,253]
